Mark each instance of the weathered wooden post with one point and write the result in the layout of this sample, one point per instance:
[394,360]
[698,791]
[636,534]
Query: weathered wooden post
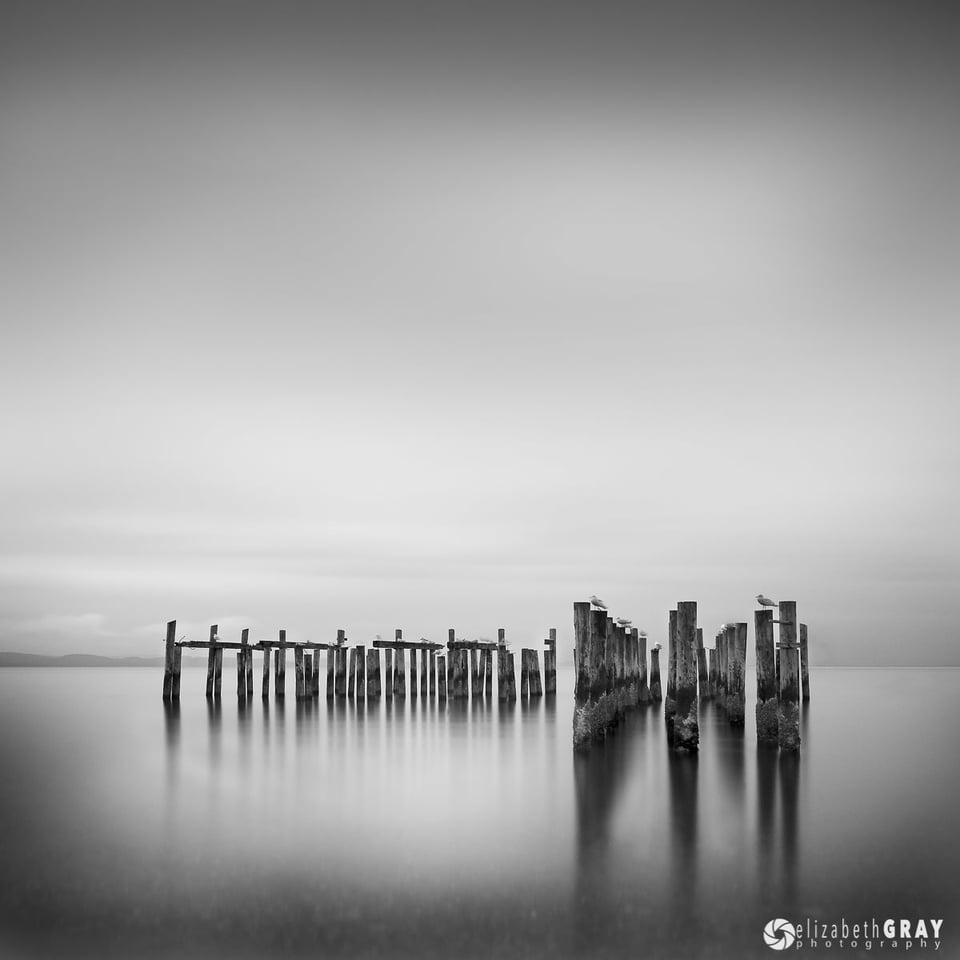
[373,674]
[399,670]
[804,664]
[332,668]
[211,660]
[461,678]
[352,674]
[433,674]
[712,673]
[441,677]
[788,715]
[767,726]
[265,680]
[451,659]
[177,662]
[644,693]
[423,674]
[536,688]
[245,638]
[361,671]
[703,672]
[474,672]
[511,678]
[670,701]
[501,664]
[686,727]
[736,693]
[656,692]
[550,664]
[488,673]
[218,673]
[168,658]
[414,683]
[299,673]
[524,672]
[388,672]
[315,679]
[582,711]
[242,665]
[340,676]
[280,667]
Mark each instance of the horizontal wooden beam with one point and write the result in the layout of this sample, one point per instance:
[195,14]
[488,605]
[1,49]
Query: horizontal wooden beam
[259,645]
[404,645]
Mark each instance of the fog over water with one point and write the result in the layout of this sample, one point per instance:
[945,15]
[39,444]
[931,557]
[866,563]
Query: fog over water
[403,829]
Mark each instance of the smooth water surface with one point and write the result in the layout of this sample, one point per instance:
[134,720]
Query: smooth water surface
[467,829]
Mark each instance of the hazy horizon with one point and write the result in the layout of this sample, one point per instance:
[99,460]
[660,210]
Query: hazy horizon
[367,316]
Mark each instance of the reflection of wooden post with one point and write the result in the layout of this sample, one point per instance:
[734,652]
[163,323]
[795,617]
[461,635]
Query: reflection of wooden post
[804,664]
[168,657]
[373,674]
[670,701]
[789,707]
[686,728]
[767,726]
[656,693]
[280,667]
[211,660]
[265,682]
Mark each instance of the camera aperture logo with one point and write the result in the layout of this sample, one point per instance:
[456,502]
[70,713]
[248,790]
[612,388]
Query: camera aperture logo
[779,935]
[891,934]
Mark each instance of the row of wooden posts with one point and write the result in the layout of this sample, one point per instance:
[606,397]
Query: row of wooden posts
[465,670]
[612,674]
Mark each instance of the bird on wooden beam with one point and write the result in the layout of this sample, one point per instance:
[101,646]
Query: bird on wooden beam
[597,602]
[765,601]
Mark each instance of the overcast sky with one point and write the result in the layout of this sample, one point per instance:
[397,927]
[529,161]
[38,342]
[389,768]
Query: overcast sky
[438,315]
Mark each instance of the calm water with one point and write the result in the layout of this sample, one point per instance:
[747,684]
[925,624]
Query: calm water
[465,830]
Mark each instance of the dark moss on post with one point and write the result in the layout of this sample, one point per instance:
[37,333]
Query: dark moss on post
[423,673]
[511,678]
[488,673]
[315,680]
[525,672]
[686,727]
[414,682]
[298,672]
[767,724]
[361,671]
[399,672]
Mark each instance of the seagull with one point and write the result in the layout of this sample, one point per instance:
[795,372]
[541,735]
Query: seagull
[658,646]
[643,633]
[765,601]
[597,602]
[624,622]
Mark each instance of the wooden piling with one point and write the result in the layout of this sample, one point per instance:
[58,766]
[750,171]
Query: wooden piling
[736,673]
[280,667]
[352,674]
[433,674]
[767,725]
[511,678]
[686,726]
[474,673]
[501,664]
[656,693]
[361,671]
[712,672]
[788,716]
[373,674]
[241,675]
[525,672]
[331,671]
[670,701]
[211,660]
[461,679]
[168,658]
[177,662]
[340,674]
[218,673]
[488,673]
[550,664]
[703,672]
[804,664]
[247,661]
[399,669]
[315,677]
[441,677]
[414,683]
[644,692]
[299,685]
[536,687]
[388,673]
[423,674]
[265,682]
[722,667]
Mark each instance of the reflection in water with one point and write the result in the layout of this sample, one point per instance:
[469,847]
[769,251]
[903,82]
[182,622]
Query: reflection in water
[682,774]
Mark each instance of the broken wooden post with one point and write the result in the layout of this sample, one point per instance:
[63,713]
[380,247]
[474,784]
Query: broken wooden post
[265,681]
[788,715]
[804,664]
[767,726]
[218,674]
[177,662]
[352,674]
[280,667]
[550,664]
[441,677]
[399,668]
[644,691]
[388,672]
[361,671]
[168,658]
[373,674]
[686,727]
[670,701]
[656,692]
[211,660]
[736,673]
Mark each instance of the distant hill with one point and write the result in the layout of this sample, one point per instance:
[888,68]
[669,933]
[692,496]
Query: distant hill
[12,659]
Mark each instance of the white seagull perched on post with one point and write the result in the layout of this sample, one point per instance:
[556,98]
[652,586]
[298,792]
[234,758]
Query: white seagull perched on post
[765,601]
[597,602]
[624,622]
[658,646]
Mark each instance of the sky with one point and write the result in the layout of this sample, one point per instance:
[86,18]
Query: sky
[374,315]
